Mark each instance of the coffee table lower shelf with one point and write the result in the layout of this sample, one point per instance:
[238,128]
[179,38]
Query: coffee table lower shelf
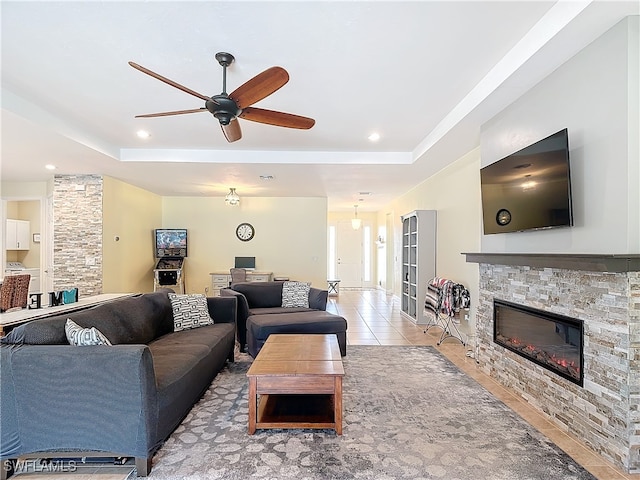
[296,411]
[296,382]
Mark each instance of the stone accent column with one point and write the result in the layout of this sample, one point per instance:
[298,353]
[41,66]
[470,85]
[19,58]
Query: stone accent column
[77,233]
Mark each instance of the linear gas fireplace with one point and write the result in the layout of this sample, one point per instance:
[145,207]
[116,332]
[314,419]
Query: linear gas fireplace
[552,341]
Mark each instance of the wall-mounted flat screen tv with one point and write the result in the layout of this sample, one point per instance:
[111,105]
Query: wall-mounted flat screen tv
[171,242]
[529,189]
[248,263]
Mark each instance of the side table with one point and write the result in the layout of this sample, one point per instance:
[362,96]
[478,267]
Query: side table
[333,287]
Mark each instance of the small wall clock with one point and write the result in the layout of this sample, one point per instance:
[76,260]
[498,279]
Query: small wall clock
[245,232]
[503,217]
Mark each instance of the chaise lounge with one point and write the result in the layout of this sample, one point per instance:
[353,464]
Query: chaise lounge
[271,307]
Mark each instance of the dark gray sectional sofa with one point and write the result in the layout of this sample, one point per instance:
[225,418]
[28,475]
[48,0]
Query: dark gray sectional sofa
[260,313]
[124,400]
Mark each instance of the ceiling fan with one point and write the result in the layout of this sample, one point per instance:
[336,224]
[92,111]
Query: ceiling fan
[228,107]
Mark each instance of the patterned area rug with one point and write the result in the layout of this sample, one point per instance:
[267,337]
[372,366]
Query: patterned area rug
[409,413]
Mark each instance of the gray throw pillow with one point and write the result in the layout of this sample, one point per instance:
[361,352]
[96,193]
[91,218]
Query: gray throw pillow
[295,294]
[189,311]
[82,337]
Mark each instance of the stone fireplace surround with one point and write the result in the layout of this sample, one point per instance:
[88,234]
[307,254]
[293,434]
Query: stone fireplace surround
[604,292]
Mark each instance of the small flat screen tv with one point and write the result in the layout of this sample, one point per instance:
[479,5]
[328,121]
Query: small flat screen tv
[171,242]
[248,263]
[529,189]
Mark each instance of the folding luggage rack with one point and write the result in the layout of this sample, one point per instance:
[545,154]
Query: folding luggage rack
[443,300]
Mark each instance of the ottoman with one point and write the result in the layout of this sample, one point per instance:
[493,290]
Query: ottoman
[259,327]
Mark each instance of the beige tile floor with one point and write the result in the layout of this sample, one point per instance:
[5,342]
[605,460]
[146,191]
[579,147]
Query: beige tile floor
[374,319]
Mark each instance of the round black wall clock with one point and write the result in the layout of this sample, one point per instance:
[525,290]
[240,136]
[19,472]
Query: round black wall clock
[503,217]
[245,232]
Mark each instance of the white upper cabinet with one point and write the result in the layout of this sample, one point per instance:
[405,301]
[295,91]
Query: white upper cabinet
[18,234]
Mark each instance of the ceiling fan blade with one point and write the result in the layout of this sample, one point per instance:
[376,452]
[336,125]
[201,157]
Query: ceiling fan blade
[177,112]
[280,119]
[260,86]
[232,131]
[169,82]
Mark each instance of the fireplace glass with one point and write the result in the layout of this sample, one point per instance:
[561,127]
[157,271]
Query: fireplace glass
[552,341]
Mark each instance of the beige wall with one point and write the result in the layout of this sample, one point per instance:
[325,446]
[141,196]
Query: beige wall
[24,189]
[455,193]
[130,214]
[290,238]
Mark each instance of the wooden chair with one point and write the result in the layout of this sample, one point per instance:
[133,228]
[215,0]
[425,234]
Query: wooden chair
[238,275]
[14,292]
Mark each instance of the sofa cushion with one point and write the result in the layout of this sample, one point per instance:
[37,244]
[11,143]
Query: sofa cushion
[184,363]
[189,345]
[132,320]
[295,294]
[275,310]
[38,332]
[82,337]
[189,311]
[261,294]
[315,321]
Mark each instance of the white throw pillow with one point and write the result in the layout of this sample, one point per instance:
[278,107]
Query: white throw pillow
[82,337]
[189,311]
[295,294]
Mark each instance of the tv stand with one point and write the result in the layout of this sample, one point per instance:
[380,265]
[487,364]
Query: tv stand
[223,279]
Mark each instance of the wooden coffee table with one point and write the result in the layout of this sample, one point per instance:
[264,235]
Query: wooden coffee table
[296,382]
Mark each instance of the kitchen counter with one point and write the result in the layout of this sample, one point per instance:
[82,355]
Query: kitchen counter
[9,320]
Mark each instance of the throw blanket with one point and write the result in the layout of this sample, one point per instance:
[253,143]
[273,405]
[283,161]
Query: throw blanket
[445,296]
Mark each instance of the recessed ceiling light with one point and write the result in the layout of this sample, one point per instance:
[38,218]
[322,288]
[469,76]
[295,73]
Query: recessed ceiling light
[50,167]
[374,137]
[143,134]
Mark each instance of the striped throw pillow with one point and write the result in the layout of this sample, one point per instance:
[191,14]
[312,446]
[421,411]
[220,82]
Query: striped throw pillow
[82,337]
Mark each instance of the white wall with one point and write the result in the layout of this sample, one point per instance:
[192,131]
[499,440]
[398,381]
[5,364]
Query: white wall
[595,96]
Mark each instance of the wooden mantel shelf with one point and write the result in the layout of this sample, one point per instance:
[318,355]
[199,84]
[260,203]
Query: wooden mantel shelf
[615,263]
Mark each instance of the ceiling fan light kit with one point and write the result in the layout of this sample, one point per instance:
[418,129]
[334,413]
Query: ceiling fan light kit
[227,108]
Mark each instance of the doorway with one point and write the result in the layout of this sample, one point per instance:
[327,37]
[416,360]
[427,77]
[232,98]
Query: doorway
[34,212]
[348,255]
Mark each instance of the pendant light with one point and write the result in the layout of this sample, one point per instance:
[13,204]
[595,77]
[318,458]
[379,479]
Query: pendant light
[356,223]
[232,198]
